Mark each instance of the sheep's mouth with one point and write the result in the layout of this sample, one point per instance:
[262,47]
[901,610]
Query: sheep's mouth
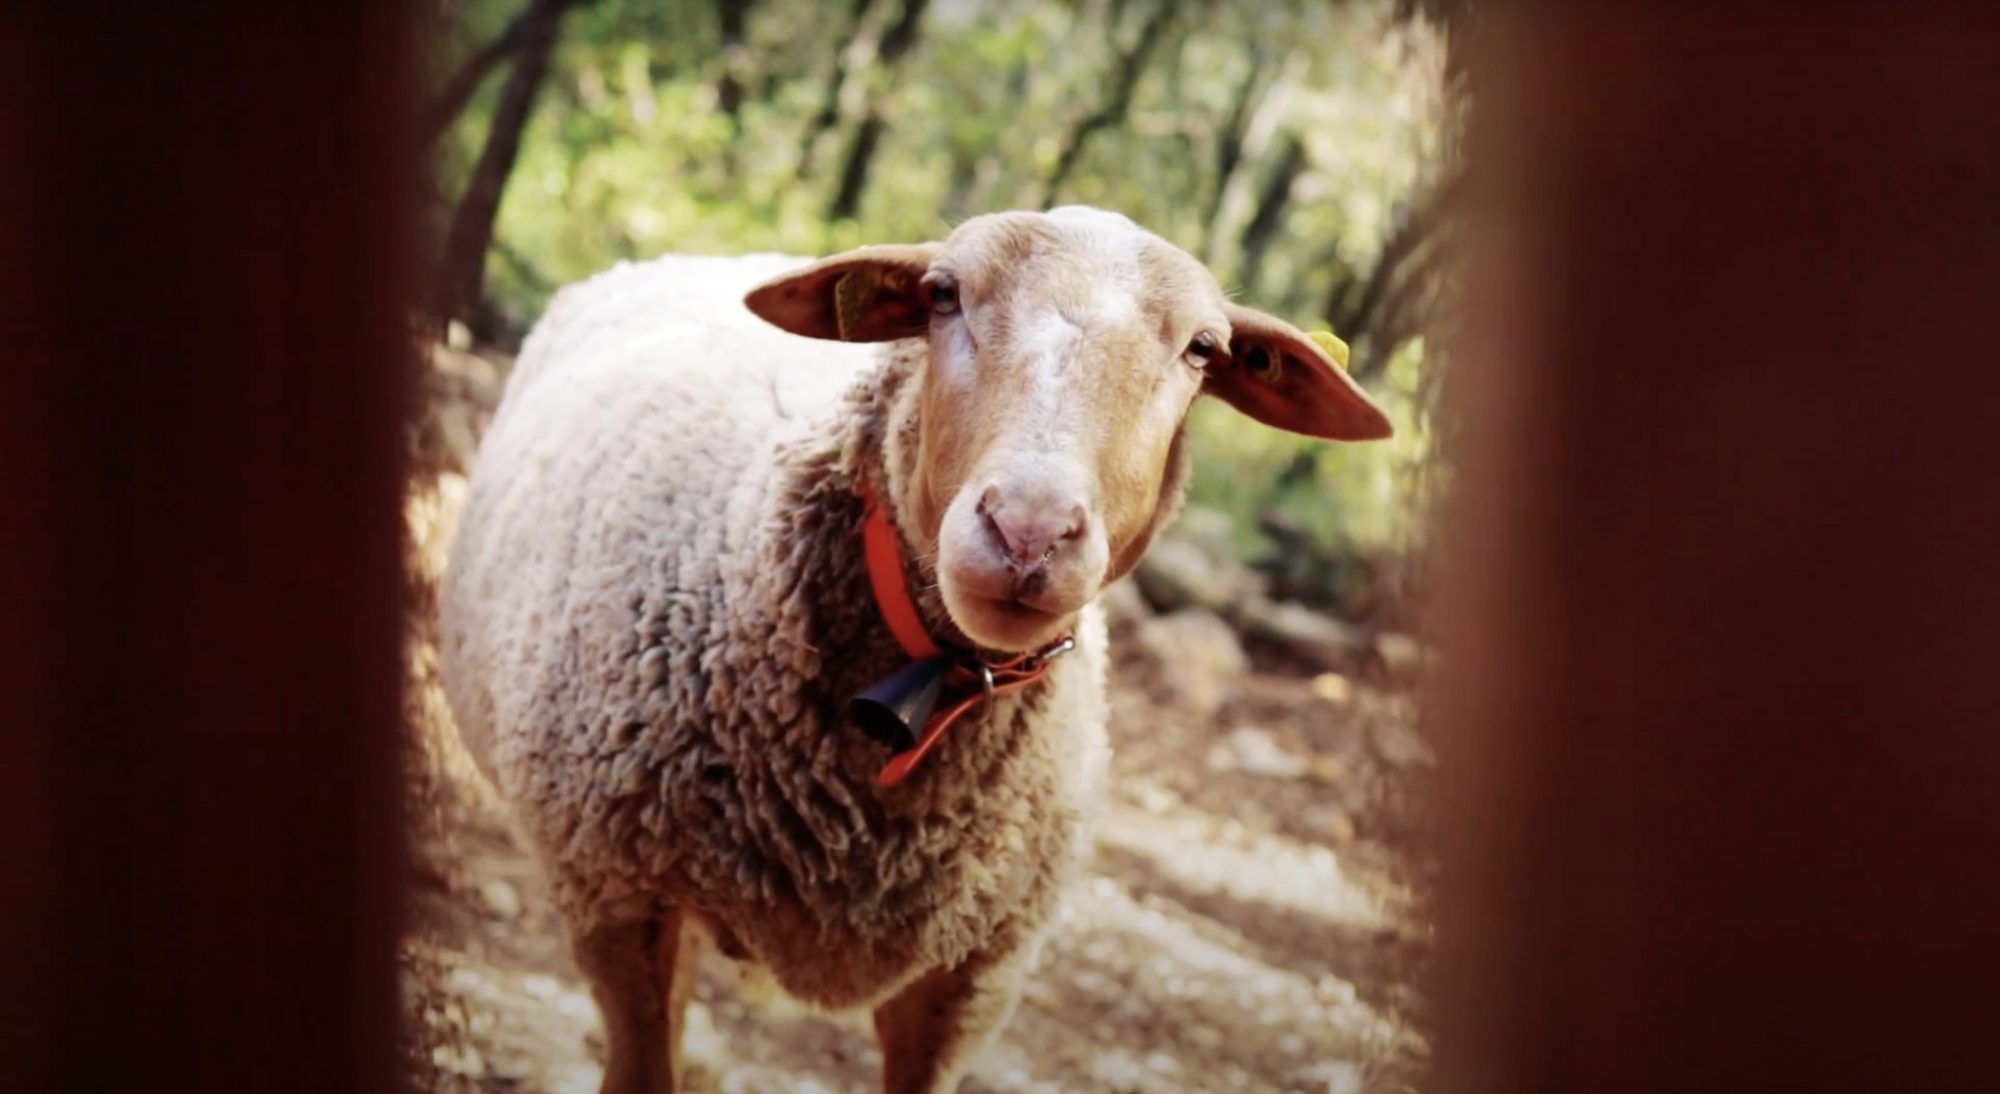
[1017,609]
[1003,605]
[1009,623]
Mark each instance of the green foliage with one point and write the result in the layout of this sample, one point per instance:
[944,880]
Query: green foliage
[628,155]
[1370,495]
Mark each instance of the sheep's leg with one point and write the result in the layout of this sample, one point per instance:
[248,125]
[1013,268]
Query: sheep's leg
[641,974]
[930,1030]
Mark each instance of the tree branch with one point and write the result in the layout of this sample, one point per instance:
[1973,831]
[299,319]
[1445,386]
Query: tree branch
[450,102]
[1229,140]
[1259,130]
[731,14]
[462,272]
[1131,65]
[854,169]
[897,42]
[1277,194]
[1404,239]
[828,114]
[1406,308]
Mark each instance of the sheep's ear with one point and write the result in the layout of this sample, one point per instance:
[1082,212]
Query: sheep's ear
[1282,377]
[864,295]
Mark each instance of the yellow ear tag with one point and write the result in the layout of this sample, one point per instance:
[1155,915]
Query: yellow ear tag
[1331,346]
[852,295]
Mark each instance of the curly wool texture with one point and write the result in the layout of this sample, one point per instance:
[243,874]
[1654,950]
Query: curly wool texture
[657,609]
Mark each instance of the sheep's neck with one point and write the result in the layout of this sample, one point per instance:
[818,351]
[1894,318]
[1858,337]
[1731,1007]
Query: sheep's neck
[878,429]
[813,531]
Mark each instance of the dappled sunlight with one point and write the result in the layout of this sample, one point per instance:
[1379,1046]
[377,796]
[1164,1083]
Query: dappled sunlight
[1190,1001]
[1216,854]
[1134,990]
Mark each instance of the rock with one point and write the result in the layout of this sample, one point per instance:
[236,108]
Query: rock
[699,1038]
[1327,769]
[1123,605]
[1400,747]
[1154,798]
[576,1079]
[1255,751]
[462,1060]
[1334,688]
[1196,659]
[1116,1070]
[1177,574]
[576,1004]
[500,898]
[1318,637]
[1402,655]
[1408,1000]
[1341,1077]
[1340,827]
[1209,529]
[508,1075]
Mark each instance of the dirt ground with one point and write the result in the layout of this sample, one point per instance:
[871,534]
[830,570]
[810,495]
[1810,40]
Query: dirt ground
[1252,920]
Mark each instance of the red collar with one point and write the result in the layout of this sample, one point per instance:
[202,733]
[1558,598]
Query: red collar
[885,576]
[981,678]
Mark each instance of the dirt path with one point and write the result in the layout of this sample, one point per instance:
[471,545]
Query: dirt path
[1249,922]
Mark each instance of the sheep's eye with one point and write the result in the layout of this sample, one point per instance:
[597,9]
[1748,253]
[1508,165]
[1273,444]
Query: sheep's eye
[1202,350]
[943,293]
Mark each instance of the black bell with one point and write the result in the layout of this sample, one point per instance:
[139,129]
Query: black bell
[896,709]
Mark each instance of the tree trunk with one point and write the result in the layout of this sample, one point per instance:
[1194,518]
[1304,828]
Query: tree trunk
[1384,311]
[1409,233]
[958,195]
[854,172]
[1232,190]
[450,102]
[728,88]
[1270,210]
[1409,308]
[992,161]
[462,271]
[1229,141]
[897,42]
[828,115]
[1339,294]
[1131,65]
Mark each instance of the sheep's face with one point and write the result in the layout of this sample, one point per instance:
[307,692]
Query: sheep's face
[1065,350]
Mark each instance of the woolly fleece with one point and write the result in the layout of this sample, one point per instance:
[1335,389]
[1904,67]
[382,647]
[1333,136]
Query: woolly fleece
[657,608]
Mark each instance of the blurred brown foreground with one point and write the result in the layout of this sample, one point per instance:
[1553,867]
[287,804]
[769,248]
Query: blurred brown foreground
[1718,738]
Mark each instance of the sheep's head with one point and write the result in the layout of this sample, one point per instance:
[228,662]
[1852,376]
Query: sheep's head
[1065,350]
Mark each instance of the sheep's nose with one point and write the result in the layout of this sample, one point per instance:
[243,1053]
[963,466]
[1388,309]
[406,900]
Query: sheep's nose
[1030,525]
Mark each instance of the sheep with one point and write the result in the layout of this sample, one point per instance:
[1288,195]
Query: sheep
[657,606]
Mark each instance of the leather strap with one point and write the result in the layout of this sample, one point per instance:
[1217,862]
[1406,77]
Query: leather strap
[885,576]
[1005,679]
[884,556]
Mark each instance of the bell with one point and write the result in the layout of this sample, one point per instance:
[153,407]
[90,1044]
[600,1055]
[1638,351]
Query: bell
[896,709]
